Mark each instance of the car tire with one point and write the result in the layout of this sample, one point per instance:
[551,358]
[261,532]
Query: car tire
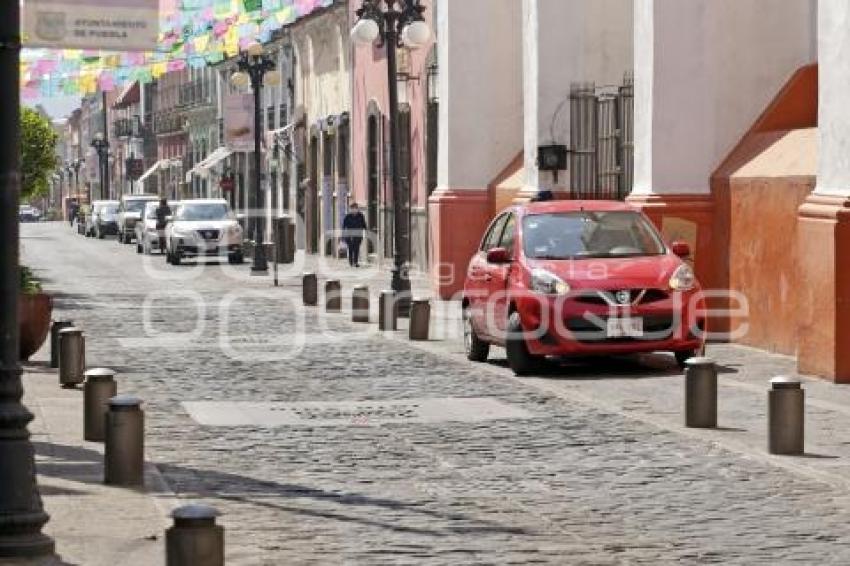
[683,357]
[100,235]
[175,259]
[236,259]
[520,360]
[476,349]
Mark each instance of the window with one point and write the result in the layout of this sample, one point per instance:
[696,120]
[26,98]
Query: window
[581,235]
[494,234]
[284,119]
[509,234]
[271,116]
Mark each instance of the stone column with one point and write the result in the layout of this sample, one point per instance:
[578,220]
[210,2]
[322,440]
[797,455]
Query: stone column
[704,71]
[823,246]
[480,90]
[564,42]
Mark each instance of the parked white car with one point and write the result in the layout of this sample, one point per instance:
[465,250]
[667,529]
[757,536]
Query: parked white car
[129,212]
[148,238]
[203,227]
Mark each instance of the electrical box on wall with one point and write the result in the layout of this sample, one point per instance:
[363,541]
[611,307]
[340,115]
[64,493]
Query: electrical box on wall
[552,157]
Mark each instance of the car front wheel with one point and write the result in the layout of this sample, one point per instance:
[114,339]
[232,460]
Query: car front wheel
[683,357]
[236,259]
[520,360]
[476,349]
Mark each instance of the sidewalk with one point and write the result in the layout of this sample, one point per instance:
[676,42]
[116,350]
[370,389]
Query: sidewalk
[650,388]
[91,523]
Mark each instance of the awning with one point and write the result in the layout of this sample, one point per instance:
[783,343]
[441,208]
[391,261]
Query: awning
[202,169]
[130,95]
[279,133]
[153,169]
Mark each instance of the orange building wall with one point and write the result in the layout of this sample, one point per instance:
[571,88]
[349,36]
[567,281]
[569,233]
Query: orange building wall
[762,257]
[757,192]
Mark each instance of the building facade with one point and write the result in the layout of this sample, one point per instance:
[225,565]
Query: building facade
[418,121]
[322,89]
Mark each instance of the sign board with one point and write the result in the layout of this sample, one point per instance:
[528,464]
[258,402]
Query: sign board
[239,122]
[227,184]
[135,168]
[122,25]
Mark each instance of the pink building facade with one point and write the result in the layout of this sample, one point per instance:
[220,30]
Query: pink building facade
[370,176]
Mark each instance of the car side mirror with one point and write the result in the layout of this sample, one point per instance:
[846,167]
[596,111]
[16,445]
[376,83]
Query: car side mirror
[681,249]
[498,256]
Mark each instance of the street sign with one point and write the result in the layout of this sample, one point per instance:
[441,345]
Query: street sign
[239,122]
[135,168]
[124,25]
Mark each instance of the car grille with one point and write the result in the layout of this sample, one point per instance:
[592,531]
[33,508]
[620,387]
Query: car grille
[614,296]
[655,327]
[209,234]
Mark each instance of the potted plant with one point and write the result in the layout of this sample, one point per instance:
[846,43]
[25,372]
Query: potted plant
[35,309]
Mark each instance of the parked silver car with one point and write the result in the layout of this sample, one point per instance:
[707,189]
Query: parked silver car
[203,228]
[103,220]
[148,237]
[129,212]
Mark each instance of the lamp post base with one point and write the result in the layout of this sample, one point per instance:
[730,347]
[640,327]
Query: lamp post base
[401,287]
[28,546]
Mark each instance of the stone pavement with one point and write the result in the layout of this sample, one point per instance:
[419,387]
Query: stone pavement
[588,464]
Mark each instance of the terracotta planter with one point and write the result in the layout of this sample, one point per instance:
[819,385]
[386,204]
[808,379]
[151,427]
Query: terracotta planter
[34,312]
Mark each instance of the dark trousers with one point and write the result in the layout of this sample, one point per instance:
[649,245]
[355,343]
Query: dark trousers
[353,250]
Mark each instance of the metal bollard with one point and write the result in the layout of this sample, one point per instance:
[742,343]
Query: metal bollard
[785,416]
[124,456]
[360,304]
[54,340]
[194,539]
[387,311]
[420,319]
[310,289]
[100,387]
[333,295]
[700,393]
[71,357]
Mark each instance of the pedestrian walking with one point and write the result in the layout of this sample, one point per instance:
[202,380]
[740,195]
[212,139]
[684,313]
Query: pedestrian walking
[353,228]
[163,211]
[73,208]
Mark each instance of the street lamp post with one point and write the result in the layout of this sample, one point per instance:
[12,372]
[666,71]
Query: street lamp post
[21,512]
[256,69]
[101,146]
[76,165]
[395,23]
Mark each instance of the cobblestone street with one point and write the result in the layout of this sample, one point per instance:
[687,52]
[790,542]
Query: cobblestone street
[537,478]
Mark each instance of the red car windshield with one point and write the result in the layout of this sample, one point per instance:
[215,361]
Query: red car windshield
[589,234]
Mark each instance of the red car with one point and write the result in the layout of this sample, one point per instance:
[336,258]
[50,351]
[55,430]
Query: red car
[563,278]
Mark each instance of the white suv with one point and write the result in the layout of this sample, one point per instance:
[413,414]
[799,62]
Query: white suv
[203,227]
[129,212]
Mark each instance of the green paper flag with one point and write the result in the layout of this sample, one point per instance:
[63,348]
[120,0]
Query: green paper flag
[253,5]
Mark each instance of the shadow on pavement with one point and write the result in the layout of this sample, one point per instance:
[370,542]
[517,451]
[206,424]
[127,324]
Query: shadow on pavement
[209,484]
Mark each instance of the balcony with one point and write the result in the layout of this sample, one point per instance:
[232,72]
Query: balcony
[127,128]
[167,123]
[194,93]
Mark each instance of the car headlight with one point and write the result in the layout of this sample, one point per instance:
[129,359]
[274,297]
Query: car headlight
[683,278]
[547,283]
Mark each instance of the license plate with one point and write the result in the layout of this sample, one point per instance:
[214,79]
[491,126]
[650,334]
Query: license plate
[625,327]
